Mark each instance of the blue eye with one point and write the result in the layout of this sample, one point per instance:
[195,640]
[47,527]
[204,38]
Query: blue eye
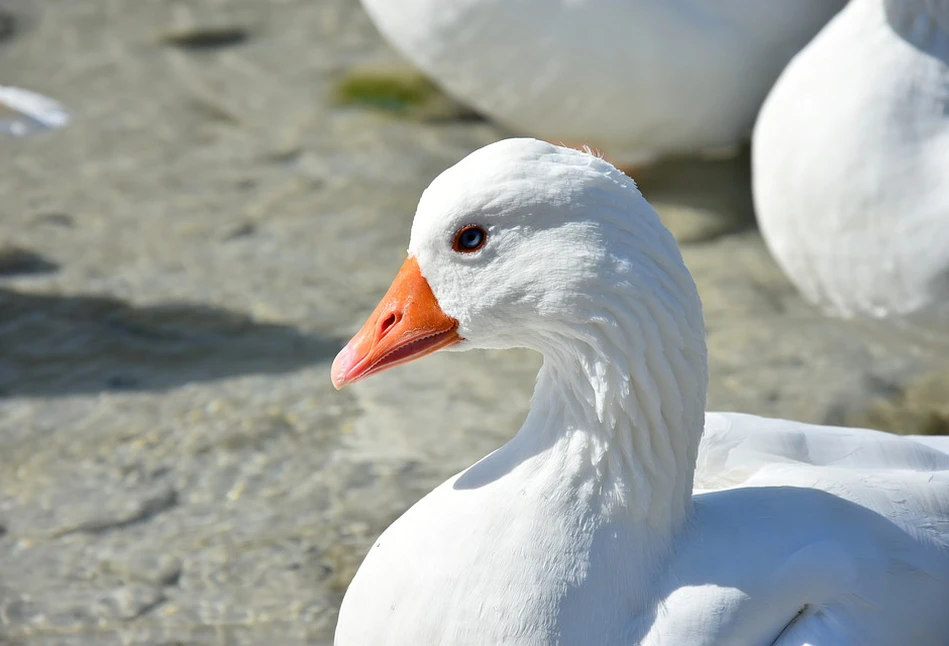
[469,238]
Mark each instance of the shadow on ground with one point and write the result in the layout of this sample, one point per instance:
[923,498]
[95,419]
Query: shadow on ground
[59,345]
[701,200]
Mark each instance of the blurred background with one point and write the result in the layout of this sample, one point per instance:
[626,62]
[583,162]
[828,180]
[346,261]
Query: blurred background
[179,265]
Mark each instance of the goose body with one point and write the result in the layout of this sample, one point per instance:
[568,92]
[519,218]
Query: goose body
[636,78]
[851,165]
[608,519]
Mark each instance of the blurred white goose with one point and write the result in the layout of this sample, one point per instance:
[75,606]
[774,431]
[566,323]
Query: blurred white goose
[584,528]
[636,78]
[851,164]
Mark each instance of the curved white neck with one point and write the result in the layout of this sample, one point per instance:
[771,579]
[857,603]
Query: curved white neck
[616,418]
[625,433]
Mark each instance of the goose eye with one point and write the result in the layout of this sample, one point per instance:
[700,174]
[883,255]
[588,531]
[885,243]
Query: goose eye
[469,238]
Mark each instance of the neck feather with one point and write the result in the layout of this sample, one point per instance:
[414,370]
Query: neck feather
[624,387]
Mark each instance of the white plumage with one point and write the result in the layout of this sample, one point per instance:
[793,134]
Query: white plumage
[851,165]
[584,528]
[637,78]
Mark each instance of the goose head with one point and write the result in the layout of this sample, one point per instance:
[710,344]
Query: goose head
[528,244]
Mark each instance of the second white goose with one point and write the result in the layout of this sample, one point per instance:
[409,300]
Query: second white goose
[638,79]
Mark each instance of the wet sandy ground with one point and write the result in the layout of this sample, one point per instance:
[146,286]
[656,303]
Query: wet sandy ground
[178,268]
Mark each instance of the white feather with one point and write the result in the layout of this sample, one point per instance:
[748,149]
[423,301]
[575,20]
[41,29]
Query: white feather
[23,112]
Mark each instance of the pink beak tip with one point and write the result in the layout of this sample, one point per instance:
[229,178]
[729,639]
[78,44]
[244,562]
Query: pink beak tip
[341,366]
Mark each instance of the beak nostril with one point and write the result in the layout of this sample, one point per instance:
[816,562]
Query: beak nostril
[387,323]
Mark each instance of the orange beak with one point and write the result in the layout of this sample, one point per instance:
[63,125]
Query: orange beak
[407,324]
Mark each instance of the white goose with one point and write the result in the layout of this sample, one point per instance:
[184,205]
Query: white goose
[636,78]
[584,528]
[851,165]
